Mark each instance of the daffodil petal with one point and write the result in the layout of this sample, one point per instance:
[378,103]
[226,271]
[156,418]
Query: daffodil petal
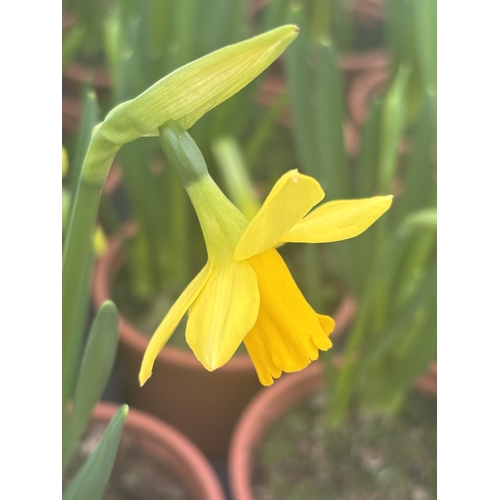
[259,350]
[171,320]
[327,323]
[288,333]
[223,314]
[338,220]
[290,199]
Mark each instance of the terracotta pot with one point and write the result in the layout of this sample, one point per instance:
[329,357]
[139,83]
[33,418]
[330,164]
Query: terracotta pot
[204,406]
[368,13]
[369,60]
[73,79]
[256,420]
[70,115]
[68,20]
[427,382]
[364,88]
[76,73]
[170,447]
[261,413]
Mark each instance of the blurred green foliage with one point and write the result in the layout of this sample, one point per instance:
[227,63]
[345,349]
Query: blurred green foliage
[390,270]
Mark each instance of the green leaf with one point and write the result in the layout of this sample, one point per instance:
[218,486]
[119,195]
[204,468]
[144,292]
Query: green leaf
[366,167]
[73,353]
[418,183]
[392,127]
[184,31]
[97,363]
[90,118]
[426,41]
[263,131]
[407,359]
[298,80]
[400,28]
[321,18]
[329,129]
[400,324]
[274,14]
[90,481]
[230,161]
[221,22]
[71,42]
[90,115]
[77,260]
[421,220]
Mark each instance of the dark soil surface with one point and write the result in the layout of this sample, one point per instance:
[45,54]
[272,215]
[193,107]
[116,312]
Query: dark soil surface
[137,474]
[368,458]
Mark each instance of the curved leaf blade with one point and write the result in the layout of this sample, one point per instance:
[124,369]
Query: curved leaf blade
[90,481]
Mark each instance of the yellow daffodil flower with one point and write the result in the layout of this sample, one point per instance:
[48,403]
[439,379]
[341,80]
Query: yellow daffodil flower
[245,292]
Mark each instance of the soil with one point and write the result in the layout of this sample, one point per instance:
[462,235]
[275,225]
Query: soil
[137,474]
[368,458]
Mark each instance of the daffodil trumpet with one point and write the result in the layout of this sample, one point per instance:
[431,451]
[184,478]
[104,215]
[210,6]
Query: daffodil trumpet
[245,292]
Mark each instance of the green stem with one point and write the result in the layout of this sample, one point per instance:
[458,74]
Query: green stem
[77,251]
[75,349]
[78,244]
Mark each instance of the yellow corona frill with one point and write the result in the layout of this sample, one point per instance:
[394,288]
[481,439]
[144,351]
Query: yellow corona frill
[245,293]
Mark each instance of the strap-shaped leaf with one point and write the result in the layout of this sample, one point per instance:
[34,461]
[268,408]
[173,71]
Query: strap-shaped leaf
[419,220]
[333,165]
[90,481]
[90,116]
[235,174]
[97,363]
[419,187]
[299,86]
[401,323]
[391,129]
[426,43]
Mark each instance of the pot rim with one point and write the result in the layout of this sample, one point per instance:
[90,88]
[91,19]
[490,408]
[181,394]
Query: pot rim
[266,407]
[366,60]
[363,87]
[187,461]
